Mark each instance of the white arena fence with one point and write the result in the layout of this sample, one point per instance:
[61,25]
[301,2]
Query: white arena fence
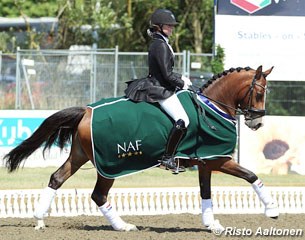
[151,201]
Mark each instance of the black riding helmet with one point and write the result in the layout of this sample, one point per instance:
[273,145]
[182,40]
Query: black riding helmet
[158,19]
[163,16]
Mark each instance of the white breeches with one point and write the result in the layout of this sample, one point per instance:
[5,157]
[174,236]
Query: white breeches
[173,107]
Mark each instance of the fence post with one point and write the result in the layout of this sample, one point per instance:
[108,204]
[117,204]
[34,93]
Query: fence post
[185,70]
[18,82]
[93,75]
[116,66]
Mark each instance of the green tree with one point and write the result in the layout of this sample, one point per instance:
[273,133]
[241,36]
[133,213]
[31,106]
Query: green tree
[217,61]
[86,22]
[25,10]
[121,22]
[29,8]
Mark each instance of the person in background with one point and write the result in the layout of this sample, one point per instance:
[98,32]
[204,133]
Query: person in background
[162,83]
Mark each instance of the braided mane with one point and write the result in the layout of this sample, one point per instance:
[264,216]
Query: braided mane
[224,73]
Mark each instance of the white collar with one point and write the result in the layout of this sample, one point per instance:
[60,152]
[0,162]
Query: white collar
[165,38]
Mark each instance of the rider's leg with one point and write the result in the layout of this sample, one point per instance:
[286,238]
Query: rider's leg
[175,110]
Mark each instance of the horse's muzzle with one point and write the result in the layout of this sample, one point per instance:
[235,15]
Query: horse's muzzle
[253,113]
[254,124]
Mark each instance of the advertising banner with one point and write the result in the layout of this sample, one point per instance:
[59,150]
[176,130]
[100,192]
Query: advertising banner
[16,126]
[263,32]
[276,148]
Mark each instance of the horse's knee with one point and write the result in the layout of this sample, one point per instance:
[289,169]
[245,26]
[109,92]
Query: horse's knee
[251,178]
[55,181]
[98,198]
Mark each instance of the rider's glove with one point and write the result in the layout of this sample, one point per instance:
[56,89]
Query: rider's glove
[187,82]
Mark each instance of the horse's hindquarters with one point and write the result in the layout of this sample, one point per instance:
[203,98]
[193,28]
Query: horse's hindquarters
[84,133]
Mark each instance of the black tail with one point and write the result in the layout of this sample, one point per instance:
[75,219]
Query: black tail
[58,128]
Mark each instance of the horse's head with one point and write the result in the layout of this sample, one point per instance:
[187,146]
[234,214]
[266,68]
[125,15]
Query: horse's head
[240,90]
[252,103]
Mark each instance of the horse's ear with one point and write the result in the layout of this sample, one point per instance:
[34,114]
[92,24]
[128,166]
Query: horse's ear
[266,73]
[259,71]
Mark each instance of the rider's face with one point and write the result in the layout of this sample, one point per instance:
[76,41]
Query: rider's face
[168,29]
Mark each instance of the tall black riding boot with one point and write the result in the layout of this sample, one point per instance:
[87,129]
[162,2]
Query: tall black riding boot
[175,136]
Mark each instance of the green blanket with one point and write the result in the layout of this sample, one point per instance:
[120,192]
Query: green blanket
[128,137]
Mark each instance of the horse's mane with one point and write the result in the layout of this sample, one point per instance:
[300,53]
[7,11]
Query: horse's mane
[224,73]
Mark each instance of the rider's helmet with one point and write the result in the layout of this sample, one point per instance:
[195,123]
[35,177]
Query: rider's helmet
[163,16]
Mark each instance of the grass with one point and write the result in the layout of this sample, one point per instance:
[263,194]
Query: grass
[37,178]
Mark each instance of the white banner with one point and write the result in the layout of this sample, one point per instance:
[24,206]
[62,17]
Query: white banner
[277,41]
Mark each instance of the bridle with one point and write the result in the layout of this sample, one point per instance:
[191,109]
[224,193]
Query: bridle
[249,112]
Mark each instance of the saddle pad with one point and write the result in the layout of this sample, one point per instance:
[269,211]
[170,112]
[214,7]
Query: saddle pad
[128,137]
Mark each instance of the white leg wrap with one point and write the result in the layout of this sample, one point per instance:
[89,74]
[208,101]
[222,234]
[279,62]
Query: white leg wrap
[271,208]
[115,220]
[207,212]
[208,217]
[45,201]
[262,192]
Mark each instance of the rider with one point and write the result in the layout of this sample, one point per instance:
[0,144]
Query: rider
[162,82]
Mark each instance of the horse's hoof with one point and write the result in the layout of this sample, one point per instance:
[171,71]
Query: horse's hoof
[216,227]
[40,225]
[272,211]
[130,227]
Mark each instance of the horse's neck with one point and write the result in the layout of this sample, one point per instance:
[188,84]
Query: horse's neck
[225,90]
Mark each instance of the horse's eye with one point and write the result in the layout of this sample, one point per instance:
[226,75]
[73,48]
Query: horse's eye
[259,97]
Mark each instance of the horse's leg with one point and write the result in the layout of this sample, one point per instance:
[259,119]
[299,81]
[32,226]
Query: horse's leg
[233,168]
[76,159]
[99,196]
[208,220]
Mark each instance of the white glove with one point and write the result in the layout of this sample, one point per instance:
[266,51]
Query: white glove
[187,82]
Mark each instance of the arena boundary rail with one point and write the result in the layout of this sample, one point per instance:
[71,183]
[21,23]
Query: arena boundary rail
[151,201]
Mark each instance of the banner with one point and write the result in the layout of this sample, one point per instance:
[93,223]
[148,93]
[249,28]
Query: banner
[276,148]
[261,7]
[18,125]
[263,32]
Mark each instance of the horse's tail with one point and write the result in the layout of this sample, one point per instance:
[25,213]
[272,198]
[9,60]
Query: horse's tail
[58,128]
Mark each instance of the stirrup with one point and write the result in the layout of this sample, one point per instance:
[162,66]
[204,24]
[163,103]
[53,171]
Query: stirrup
[170,164]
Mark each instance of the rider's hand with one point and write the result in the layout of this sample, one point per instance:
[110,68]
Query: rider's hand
[187,82]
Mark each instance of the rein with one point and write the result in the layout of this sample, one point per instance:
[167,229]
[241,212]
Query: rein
[237,110]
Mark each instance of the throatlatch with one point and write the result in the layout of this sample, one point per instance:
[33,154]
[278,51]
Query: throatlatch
[176,134]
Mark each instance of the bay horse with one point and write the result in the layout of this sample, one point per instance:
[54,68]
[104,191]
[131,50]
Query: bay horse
[234,91]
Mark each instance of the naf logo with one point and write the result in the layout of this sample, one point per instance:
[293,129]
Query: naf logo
[251,6]
[129,149]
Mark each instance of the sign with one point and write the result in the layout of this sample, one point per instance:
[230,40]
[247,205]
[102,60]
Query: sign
[276,148]
[268,33]
[251,6]
[18,125]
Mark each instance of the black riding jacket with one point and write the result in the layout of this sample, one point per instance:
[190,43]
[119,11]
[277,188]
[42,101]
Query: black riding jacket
[161,64]
[162,82]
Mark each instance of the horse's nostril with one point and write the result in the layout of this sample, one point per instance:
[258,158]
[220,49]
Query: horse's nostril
[257,126]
